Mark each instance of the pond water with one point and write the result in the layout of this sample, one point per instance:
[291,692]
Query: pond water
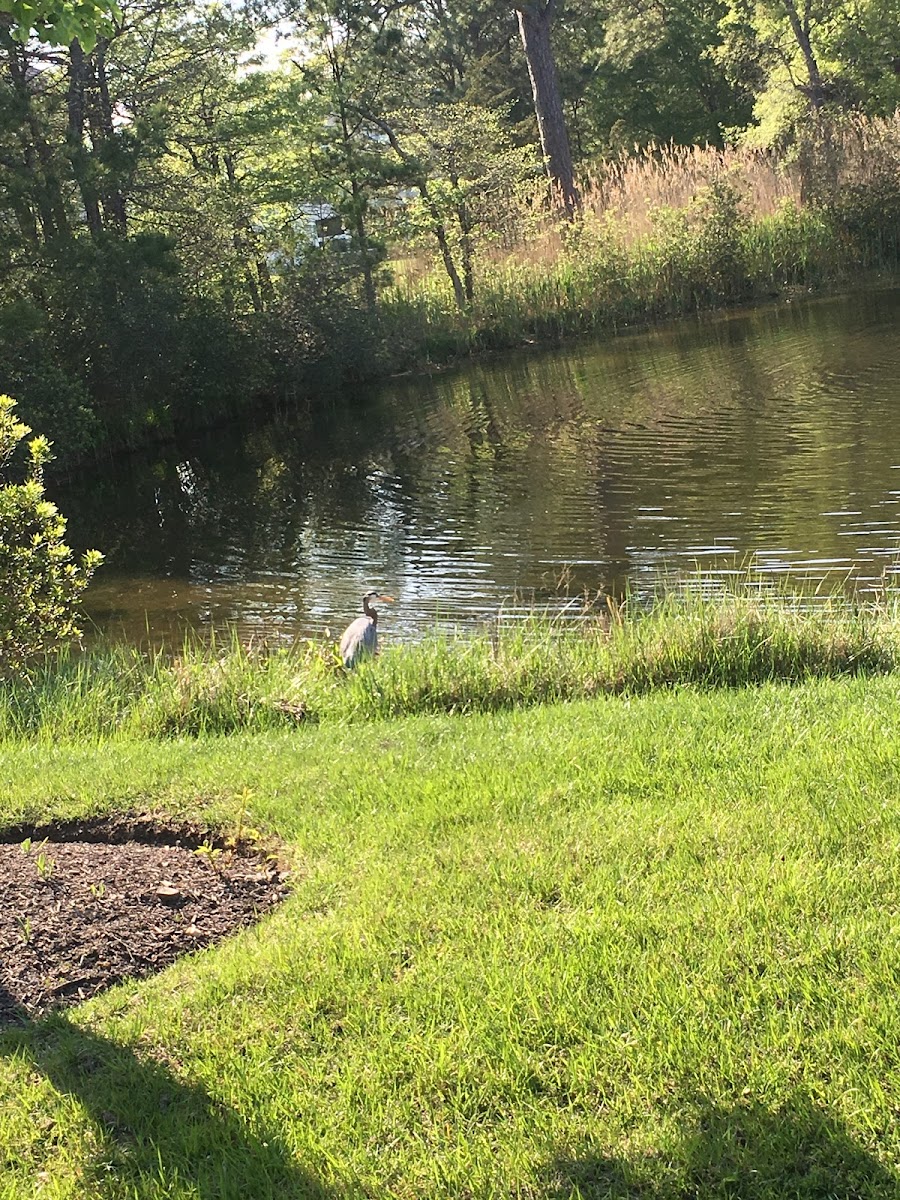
[763,441]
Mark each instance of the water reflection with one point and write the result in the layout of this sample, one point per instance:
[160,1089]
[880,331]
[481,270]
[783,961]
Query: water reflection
[770,437]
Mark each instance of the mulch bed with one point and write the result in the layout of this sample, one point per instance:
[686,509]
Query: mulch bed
[84,905]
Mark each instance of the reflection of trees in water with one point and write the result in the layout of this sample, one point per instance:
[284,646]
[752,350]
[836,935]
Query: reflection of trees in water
[237,502]
[749,428]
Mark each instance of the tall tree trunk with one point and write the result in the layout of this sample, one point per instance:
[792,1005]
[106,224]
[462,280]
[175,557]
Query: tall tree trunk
[52,206]
[365,252]
[444,245]
[818,161]
[246,243]
[534,27]
[38,158]
[800,30]
[266,290]
[81,159]
[113,198]
[467,251]
[439,229]
[252,285]
[358,199]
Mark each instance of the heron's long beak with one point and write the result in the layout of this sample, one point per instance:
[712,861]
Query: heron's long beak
[386,600]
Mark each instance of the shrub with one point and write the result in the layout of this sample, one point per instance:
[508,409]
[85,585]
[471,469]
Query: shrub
[41,581]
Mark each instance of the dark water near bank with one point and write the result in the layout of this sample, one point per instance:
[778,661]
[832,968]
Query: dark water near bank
[765,440]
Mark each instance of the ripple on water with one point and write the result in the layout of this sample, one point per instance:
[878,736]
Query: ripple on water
[756,442]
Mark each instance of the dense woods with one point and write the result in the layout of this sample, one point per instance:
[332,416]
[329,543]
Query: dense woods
[205,205]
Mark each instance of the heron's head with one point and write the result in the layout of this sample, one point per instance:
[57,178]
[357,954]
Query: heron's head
[382,599]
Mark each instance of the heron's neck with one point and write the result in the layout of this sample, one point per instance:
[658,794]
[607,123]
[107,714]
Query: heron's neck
[369,611]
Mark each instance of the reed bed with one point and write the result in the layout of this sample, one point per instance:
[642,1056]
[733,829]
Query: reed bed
[212,688]
[670,177]
[669,231]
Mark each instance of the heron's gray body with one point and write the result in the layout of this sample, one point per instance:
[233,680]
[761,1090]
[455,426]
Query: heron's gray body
[359,641]
[360,638]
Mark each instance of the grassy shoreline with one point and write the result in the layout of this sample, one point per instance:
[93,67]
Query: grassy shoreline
[222,687]
[631,947]
[668,233]
[699,259]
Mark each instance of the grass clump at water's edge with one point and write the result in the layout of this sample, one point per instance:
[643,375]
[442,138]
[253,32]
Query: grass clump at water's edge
[212,689]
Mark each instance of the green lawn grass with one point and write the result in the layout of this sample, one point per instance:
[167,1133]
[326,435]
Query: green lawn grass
[626,947]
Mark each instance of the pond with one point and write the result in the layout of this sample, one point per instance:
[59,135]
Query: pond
[763,442]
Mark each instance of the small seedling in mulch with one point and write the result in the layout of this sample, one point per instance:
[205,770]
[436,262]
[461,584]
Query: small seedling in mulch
[45,866]
[98,890]
[25,926]
[236,838]
[26,845]
[211,853]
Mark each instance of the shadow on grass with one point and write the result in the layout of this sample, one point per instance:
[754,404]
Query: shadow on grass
[747,1152]
[154,1136]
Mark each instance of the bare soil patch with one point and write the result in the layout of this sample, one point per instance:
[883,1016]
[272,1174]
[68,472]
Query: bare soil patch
[86,904]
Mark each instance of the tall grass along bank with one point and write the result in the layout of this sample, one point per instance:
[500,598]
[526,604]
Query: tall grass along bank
[670,231]
[211,688]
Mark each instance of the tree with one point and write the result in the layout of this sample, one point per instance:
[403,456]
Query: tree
[790,45]
[71,111]
[654,80]
[467,173]
[41,581]
[357,73]
[535,18]
[865,45]
[210,126]
[802,18]
[33,166]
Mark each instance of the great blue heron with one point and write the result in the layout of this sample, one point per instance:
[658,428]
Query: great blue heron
[360,638]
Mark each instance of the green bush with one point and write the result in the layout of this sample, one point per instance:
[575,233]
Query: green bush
[52,396]
[41,581]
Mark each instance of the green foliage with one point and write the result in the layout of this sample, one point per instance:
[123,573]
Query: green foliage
[60,21]
[656,80]
[321,327]
[223,161]
[120,352]
[696,256]
[49,391]
[805,58]
[469,179]
[864,202]
[41,581]
[867,47]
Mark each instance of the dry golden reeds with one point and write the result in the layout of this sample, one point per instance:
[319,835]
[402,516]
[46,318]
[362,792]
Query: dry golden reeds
[668,230]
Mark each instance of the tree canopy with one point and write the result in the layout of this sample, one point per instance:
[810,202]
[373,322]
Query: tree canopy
[182,182]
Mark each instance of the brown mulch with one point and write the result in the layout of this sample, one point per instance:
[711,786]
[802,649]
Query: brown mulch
[84,905]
